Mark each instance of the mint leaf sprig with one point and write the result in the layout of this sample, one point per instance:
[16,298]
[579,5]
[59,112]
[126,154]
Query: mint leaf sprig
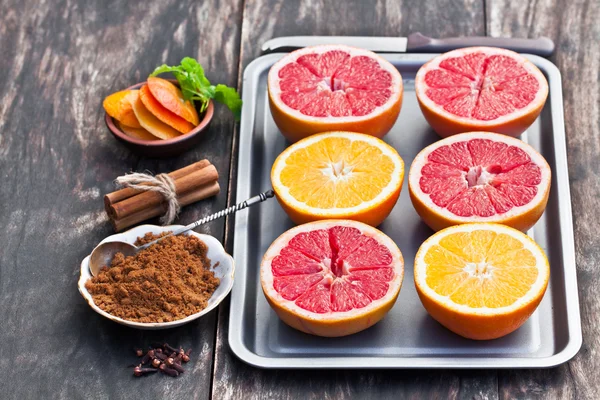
[196,87]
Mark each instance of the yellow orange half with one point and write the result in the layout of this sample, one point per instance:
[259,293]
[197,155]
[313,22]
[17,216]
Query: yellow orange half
[338,175]
[481,281]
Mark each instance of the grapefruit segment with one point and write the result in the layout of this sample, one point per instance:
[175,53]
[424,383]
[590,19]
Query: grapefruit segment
[481,281]
[334,87]
[480,89]
[138,133]
[346,285]
[479,177]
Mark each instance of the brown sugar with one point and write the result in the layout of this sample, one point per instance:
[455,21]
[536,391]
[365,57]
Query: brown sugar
[168,281]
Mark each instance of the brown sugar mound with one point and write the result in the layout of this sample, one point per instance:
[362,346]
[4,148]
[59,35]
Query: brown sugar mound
[166,282]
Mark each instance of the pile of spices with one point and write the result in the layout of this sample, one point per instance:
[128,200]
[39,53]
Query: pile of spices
[168,281]
[163,358]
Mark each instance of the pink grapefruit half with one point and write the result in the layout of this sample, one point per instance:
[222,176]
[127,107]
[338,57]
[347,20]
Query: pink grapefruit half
[334,88]
[332,278]
[479,177]
[480,89]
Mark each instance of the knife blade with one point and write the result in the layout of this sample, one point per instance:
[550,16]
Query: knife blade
[414,43]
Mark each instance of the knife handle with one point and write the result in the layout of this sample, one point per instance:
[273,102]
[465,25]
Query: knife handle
[418,43]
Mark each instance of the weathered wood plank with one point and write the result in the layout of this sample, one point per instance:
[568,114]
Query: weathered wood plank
[59,60]
[573,25]
[266,19]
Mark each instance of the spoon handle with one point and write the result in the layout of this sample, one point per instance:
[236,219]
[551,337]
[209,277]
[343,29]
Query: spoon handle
[230,210]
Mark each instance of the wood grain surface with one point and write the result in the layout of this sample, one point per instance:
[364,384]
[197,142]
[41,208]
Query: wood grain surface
[60,58]
[574,27]
[57,158]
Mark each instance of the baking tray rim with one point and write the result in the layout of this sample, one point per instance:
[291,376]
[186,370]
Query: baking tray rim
[575,339]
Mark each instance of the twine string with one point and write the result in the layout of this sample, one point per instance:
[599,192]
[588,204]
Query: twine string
[161,183]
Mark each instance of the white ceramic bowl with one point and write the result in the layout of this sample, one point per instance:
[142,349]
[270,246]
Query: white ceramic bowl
[224,271]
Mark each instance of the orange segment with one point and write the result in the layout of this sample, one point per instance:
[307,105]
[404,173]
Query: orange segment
[338,175]
[150,122]
[481,280]
[118,106]
[162,113]
[171,98]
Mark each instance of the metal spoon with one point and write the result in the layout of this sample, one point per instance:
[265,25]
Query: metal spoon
[104,253]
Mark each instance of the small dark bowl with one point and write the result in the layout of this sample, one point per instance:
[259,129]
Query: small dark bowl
[161,148]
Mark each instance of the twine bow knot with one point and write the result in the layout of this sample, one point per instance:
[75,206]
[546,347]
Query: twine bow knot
[161,183]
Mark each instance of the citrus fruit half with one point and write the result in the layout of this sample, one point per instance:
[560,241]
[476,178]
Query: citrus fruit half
[334,87]
[479,177]
[341,175]
[481,281]
[480,89]
[332,278]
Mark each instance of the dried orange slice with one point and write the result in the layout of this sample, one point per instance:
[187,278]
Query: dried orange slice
[338,175]
[160,112]
[150,122]
[171,98]
[118,106]
[138,133]
[481,281]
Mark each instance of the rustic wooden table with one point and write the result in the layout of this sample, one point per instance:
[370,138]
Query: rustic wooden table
[59,59]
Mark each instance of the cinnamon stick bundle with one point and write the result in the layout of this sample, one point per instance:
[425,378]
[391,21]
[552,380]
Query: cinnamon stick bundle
[127,207]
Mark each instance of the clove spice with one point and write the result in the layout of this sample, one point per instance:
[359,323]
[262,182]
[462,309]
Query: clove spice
[139,371]
[163,358]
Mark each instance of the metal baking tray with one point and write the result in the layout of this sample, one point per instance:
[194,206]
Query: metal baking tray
[407,337]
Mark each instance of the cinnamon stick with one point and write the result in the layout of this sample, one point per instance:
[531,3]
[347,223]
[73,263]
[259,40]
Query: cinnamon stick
[149,199]
[207,190]
[122,194]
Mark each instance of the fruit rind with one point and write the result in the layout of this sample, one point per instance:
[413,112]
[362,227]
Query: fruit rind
[519,217]
[447,124]
[295,126]
[341,323]
[372,213]
[481,323]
